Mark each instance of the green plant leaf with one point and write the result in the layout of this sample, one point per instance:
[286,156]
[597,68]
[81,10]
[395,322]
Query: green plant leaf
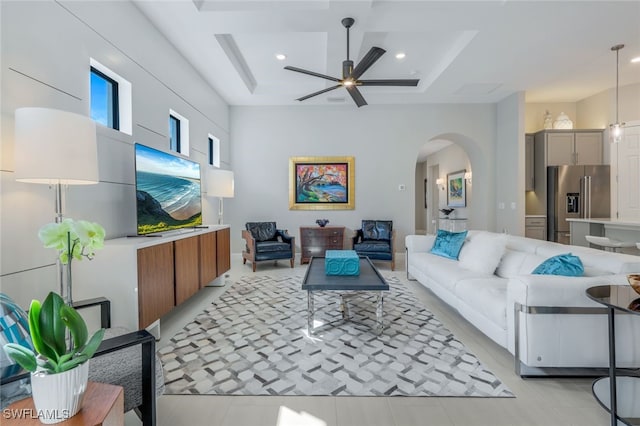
[76,325]
[52,329]
[34,331]
[23,356]
[93,344]
[77,360]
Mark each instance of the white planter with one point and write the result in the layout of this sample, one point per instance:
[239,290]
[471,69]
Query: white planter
[58,397]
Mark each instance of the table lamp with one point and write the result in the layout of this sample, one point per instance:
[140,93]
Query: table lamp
[220,184]
[55,148]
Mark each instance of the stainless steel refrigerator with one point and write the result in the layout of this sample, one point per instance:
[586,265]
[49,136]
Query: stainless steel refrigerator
[575,192]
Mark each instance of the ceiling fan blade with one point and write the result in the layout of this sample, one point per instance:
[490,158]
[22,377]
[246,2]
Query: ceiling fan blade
[388,82]
[315,74]
[356,95]
[369,59]
[319,92]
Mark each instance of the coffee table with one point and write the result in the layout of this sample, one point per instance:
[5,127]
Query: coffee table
[369,280]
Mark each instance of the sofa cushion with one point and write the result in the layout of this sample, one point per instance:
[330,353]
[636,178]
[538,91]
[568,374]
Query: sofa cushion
[442,270]
[566,265]
[515,263]
[272,246]
[487,296]
[373,246]
[262,231]
[482,252]
[448,244]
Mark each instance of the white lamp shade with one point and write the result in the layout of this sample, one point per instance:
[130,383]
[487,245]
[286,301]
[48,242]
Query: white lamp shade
[53,146]
[220,183]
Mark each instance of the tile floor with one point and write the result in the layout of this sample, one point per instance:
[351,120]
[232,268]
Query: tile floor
[545,402]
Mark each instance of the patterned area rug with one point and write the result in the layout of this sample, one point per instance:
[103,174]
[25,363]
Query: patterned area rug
[253,341]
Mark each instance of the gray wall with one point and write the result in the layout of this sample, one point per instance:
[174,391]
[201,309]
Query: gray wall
[384,141]
[46,48]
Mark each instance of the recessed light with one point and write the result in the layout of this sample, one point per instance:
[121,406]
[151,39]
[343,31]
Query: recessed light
[281,57]
[635,60]
[400,55]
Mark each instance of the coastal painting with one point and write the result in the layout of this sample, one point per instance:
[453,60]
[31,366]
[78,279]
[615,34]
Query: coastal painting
[321,183]
[456,189]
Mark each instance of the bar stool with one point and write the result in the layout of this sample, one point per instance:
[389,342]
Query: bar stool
[608,244]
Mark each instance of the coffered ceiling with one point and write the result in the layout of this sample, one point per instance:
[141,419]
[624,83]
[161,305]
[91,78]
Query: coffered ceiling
[462,51]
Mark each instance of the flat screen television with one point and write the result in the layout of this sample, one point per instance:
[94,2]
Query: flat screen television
[168,193]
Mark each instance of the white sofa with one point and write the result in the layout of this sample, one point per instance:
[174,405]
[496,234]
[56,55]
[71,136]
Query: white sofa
[549,343]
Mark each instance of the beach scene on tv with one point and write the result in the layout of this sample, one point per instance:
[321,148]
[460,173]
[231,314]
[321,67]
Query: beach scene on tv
[167,191]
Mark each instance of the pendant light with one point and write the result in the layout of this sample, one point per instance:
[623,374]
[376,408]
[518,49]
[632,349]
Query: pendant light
[616,129]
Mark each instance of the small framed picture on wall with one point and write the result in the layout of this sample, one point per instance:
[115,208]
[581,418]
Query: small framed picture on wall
[456,189]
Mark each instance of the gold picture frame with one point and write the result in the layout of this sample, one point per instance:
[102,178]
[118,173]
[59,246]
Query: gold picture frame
[322,183]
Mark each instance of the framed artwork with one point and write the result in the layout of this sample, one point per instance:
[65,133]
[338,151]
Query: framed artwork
[456,189]
[321,183]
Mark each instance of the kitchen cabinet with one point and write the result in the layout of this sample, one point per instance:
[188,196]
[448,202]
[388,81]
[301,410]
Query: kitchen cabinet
[529,158]
[569,147]
[535,227]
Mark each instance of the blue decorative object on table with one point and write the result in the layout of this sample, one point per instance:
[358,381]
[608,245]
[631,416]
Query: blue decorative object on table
[566,265]
[448,244]
[322,222]
[341,262]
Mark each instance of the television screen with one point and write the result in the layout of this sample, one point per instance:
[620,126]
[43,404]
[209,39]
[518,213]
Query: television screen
[167,191]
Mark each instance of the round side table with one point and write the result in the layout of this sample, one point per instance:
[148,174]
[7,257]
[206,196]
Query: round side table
[624,410]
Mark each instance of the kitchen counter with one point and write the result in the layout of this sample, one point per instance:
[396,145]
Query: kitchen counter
[622,223]
[618,229]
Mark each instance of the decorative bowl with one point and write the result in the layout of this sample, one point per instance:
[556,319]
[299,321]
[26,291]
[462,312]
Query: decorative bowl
[322,222]
[634,281]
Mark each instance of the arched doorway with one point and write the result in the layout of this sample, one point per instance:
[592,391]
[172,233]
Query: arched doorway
[442,158]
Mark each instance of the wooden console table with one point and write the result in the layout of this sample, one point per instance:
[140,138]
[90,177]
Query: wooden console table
[146,277]
[314,241]
[103,405]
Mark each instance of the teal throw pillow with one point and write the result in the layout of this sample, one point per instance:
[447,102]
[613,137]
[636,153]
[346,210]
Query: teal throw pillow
[567,265]
[448,244]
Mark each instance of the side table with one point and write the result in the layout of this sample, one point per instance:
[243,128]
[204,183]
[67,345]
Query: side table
[103,405]
[624,410]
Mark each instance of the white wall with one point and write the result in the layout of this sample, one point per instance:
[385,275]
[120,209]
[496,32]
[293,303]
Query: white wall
[384,141]
[534,114]
[46,48]
[510,150]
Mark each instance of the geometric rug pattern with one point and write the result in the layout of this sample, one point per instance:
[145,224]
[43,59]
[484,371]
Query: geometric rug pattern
[253,341]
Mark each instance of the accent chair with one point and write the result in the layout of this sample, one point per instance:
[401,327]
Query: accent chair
[264,241]
[375,240]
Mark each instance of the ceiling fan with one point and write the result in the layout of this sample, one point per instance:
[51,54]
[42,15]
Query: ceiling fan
[351,76]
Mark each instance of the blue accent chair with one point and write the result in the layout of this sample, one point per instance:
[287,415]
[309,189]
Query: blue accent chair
[375,240]
[264,241]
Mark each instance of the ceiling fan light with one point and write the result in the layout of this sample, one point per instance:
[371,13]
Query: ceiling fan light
[348,83]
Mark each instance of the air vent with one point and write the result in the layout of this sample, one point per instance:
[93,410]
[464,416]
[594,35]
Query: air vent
[335,99]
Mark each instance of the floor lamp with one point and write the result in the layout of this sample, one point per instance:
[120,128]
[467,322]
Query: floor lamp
[55,148]
[220,184]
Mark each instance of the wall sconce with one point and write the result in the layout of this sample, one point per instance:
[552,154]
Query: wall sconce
[467,177]
[440,183]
